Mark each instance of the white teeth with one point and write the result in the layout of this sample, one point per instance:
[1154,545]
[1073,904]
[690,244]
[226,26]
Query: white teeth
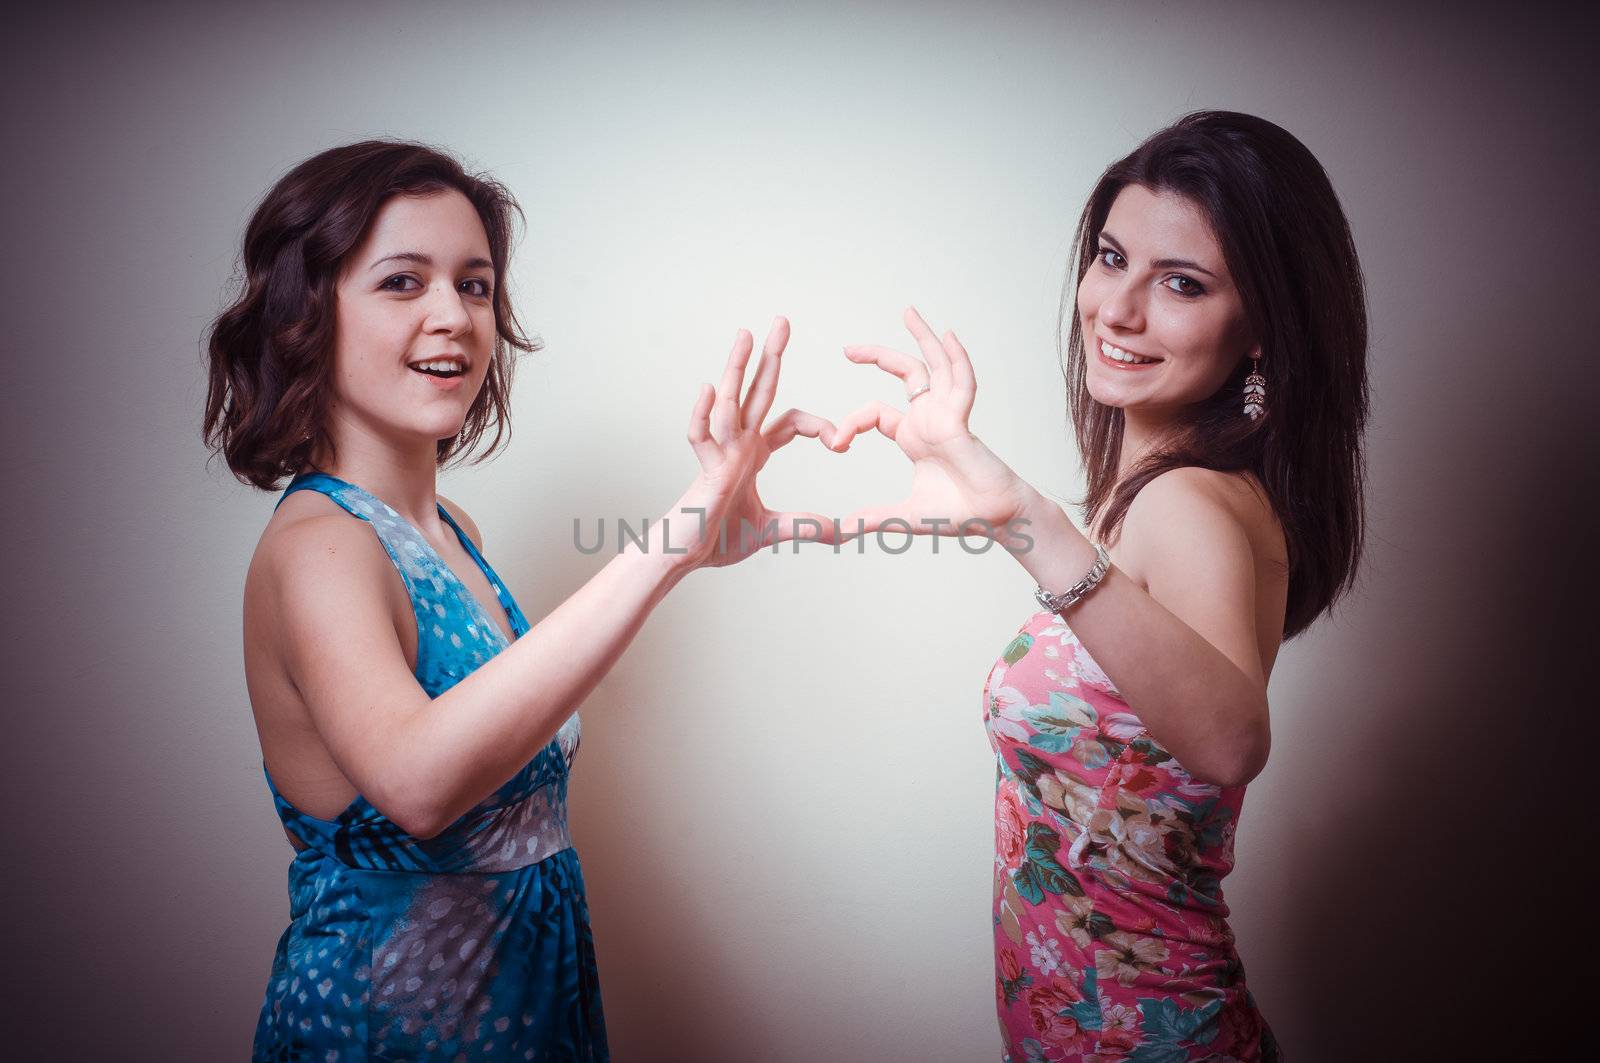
[1117,354]
[443,365]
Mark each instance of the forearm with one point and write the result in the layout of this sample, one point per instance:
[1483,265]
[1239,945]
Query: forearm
[1193,699]
[467,742]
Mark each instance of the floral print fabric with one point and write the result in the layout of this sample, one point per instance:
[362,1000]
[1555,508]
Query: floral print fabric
[1111,933]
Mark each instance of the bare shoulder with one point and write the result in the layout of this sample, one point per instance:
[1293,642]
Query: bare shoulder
[1177,507]
[1208,546]
[1251,507]
[312,556]
[1191,483]
[1191,503]
[466,522]
[309,535]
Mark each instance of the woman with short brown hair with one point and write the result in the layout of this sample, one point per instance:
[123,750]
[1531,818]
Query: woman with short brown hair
[415,734]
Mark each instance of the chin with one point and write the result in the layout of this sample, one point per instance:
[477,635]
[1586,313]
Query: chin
[1102,395]
[442,430]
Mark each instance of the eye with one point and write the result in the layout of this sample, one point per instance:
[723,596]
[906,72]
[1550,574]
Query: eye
[397,283]
[1110,259]
[477,286]
[1185,286]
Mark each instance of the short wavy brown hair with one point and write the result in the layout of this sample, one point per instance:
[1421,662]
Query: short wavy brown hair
[269,353]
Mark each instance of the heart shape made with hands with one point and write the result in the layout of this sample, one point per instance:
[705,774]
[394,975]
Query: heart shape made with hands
[957,482]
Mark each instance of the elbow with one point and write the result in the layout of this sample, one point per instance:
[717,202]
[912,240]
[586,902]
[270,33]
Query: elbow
[426,815]
[414,817]
[1239,773]
[410,784]
[421,827]
[411,806]
[1241,759]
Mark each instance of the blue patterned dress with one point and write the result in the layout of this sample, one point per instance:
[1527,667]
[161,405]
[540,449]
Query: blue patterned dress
[473,945]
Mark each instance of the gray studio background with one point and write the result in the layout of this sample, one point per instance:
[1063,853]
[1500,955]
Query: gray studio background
[783,801]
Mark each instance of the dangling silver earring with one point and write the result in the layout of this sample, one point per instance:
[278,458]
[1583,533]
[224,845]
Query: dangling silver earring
[1255,392]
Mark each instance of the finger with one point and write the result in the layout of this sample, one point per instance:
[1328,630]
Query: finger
[907,367]
[791,423]
[807,527]
[938,360]
[873,518]
[732,382]
[724,418]
[963,383]
[879,415]
[705,448]
[765,385]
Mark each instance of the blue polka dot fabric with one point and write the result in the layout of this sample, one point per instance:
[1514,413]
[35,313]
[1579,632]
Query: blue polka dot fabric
[472,945]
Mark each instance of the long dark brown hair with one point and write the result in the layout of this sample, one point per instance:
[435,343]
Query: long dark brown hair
[270,353]
[1287,244]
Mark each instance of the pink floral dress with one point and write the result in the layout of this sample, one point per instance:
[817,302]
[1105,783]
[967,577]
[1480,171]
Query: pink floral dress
[1111,934]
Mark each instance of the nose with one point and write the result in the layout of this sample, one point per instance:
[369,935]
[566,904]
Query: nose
[447,313]
[1122,308]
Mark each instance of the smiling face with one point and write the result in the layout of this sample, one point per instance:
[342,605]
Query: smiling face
[1163,325]
[415,325]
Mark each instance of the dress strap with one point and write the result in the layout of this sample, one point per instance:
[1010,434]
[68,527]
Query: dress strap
[420,570]
[438,598]
[519,623]
[339,490]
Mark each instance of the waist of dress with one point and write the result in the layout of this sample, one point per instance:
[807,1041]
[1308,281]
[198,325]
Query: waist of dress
[488,839]
[506,837]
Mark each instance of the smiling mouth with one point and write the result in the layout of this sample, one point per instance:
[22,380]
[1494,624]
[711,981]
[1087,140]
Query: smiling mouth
[1117,354]
[444,368]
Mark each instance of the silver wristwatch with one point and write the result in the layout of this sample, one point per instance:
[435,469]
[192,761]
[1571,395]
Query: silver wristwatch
[1072,595]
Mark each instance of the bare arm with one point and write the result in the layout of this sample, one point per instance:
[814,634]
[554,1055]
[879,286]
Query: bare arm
[424,762]
[421,761]
[1183,653]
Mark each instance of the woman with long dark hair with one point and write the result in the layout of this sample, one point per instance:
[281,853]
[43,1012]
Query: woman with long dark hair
[416,734]
[1216,379]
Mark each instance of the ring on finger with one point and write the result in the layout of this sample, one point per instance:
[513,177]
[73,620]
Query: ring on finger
[924,389]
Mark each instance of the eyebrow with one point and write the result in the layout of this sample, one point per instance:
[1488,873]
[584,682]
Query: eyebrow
[1160,263]
[425,260]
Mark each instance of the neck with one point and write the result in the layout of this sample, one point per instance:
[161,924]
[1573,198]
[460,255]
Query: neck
[406,479]
[1142,431]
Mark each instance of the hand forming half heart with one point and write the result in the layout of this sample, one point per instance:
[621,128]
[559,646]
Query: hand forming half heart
[956,480]
[722,517]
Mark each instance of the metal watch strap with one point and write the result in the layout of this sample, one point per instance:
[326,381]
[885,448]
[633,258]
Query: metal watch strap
[1072,595]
